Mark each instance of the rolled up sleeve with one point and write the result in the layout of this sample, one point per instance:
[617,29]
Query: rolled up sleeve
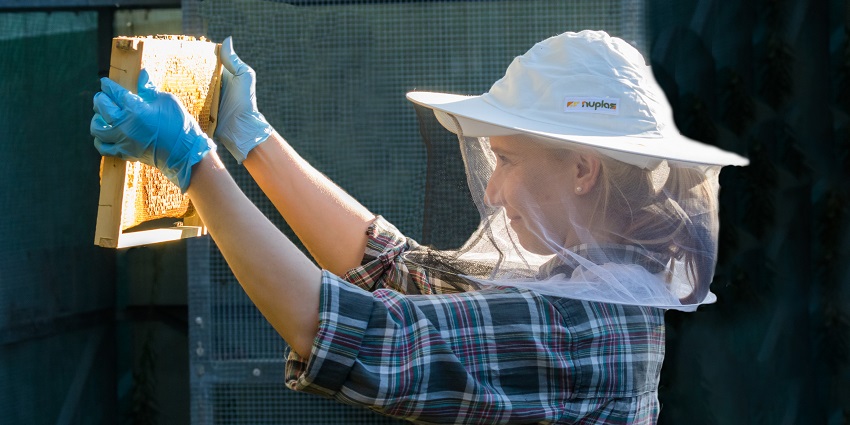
[383,265]
[342,323]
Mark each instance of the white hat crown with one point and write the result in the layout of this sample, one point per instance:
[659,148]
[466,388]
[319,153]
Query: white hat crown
[587,81]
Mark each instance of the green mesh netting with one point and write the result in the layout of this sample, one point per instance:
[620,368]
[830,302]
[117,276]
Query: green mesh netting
[332,76]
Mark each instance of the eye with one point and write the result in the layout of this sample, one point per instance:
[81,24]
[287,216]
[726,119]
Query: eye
[503,159]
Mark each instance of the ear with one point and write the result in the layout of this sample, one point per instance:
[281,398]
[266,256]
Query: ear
[587,168]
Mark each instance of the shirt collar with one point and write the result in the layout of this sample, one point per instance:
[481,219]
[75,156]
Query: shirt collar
[600,254]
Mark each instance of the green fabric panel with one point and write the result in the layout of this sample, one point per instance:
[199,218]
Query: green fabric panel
[50,271]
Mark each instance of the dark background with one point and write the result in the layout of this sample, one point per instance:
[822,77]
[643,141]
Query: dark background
[768,79]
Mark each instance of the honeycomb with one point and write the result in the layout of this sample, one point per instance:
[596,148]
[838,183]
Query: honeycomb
[189,69]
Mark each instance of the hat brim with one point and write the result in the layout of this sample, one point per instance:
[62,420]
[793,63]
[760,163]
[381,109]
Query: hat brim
[479,118]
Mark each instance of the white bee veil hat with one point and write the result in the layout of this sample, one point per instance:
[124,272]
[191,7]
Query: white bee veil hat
[586,88]
[644,234]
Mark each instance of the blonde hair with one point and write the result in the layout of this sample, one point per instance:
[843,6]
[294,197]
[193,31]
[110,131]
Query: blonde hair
[673,217]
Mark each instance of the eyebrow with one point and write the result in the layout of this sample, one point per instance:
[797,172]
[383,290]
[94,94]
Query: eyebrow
[509,151]
[503,150]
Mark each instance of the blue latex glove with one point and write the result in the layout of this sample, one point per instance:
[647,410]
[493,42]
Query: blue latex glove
[241,127]
[152,127]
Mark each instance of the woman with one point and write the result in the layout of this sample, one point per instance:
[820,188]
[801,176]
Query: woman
[596,215]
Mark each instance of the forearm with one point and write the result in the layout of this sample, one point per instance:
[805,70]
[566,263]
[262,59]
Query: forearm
[281,281]
[329,222]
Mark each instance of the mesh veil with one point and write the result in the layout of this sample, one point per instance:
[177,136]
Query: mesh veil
[634,236]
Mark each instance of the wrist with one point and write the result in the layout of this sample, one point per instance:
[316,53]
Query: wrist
[181,175]
[257,132]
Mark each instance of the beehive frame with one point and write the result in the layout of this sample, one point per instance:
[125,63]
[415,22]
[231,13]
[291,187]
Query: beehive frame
[118,177]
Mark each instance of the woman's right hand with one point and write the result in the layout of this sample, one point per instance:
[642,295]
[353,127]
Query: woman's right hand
[152,127]
[241,127]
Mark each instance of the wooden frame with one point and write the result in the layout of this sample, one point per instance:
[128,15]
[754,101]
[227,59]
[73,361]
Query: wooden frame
[23,5]
[128,58]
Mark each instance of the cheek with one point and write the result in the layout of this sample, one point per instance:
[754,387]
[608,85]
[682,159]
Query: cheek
[548,185]
[531,185]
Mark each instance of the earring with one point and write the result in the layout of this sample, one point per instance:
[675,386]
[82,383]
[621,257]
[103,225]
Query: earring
[578,189]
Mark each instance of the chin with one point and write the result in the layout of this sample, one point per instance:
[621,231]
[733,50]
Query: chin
[534,245]
[528,240]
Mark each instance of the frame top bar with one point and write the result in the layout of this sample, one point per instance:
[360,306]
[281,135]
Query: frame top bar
[23,5]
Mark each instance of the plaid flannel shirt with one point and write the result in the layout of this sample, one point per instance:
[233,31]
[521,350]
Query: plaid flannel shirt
[392,339]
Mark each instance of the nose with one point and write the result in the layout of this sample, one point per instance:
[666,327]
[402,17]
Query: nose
[492,196]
